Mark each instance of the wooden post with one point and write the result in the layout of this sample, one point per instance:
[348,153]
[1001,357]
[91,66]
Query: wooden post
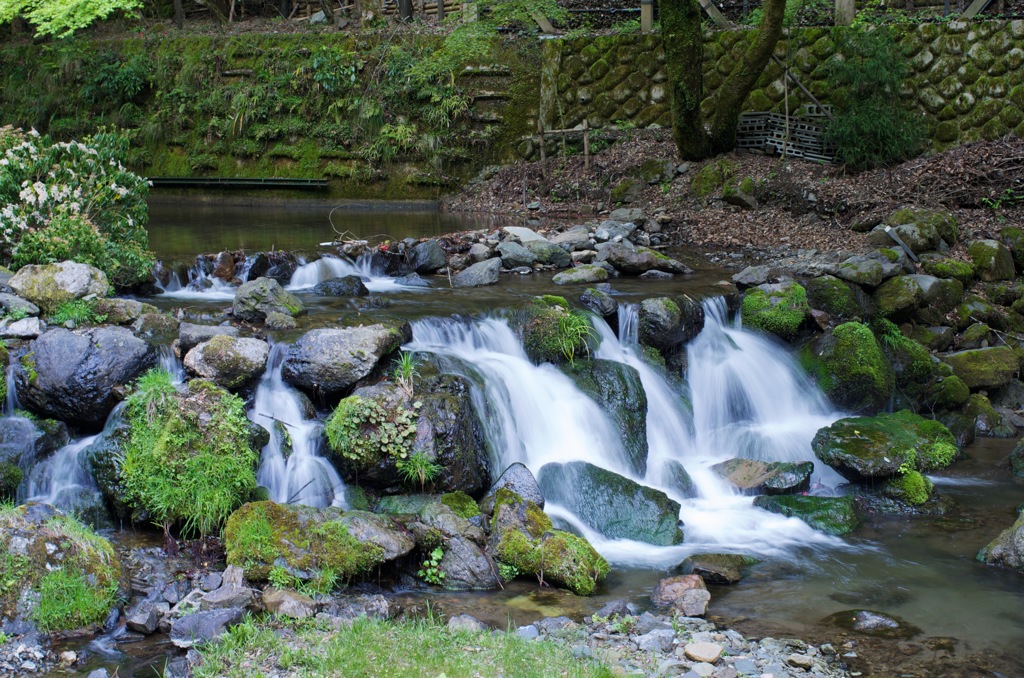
[586,144]
[405,10]
[440,11]
[543,22]
[845,11]
[470,12]
[179,14]
[646,16]
[543,153]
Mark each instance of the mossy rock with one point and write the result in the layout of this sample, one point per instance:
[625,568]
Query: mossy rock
[911,362]
[751,476]
[54,571]
[460,502]
[899,297]
[555,333]
[833,296]
[910,487]
[945,393]
[941,223]
[976,308]
[992,260]
[717,568]
[987,420]
[712,177]
[1007,549]
[851,368]
[1013,236]
[524,540]
[831,515]
[950,268]
[883,446]
[778,309]
[322,546]
[984,368]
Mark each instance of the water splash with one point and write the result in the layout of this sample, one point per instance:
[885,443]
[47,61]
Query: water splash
[292,467]
[196,284]
[63,479]
[171,364]
[309,274]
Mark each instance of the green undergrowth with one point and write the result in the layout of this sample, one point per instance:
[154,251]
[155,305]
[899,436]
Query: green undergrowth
[79,312]
[396,649]
[365,431]
[554,332]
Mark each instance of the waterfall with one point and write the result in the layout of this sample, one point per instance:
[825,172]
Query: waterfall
[169,362]
[291,466]
[11,404]
[197,284]
[64,478]
[309,274]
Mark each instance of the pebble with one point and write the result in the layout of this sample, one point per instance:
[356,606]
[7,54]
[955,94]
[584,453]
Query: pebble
[528,632]
[704,652]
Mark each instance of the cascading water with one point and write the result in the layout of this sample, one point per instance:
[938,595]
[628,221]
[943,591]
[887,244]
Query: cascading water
[309,274]
[198,285]
[171,364]
[63,479]
[11,403]
[291,466]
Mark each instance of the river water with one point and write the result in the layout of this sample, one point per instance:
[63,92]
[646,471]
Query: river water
[741,392]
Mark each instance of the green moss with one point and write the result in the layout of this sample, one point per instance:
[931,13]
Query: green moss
[555,333]
[945,393]
[911,361]
[780,312]
[713,176]
[366,432]
[832,515]
[342,554]
[910,487]
[461,503]
[890,254]
[832,295]
[851,368]
[10,478]
[950,268]
[942,223]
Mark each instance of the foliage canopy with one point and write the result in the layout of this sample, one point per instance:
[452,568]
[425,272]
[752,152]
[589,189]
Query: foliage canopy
[61,18]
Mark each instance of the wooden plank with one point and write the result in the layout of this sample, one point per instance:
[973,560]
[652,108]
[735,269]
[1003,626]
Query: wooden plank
[713,12]
[976,8]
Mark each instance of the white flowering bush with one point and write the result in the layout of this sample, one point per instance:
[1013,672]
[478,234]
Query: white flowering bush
[73,200]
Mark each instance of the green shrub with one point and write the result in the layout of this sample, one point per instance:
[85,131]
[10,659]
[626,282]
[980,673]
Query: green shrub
[95,207]
[187,457]
[871,128]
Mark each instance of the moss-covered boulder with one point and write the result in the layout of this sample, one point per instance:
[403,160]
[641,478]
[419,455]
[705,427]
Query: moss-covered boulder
[324,546]
[637,260]
[944,392]
[760,477]
[50,285]
[934,338]
[950,268]
[831,515]
[862,271]
[837,298]
[617,507]
[909,487]
[717,568]
[899,297]
[1017,460]
[911,362]
[1007,549]
[585,274]
[553,332]
[984,368]
[55,573]
[227,361]
[524,542]
[617,388]
[256,298]
[992,260]
[851,368]
[186,457]
[1013,236]
[987,420]
[778,309]
[711,177]
[942,224]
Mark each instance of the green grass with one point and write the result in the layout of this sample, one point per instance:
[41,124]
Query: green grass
[393,649]
[68,601]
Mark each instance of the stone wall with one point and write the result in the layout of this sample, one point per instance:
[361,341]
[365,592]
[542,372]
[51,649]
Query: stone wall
[967,78]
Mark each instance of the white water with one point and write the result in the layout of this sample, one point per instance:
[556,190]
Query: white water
[170,364]
[304,476]
[750,400]
[199,285]
[11,403]
[62,477]
[308,275]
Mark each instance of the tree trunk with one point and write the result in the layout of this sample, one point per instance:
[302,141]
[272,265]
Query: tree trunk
[179,14]
[681,22]
[684,59]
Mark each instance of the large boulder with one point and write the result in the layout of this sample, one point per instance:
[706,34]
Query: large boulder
[79,376]
[478,275]
[638,260]
[203,627]
[514,255]
[898,298]
[717,568]
[311,544]
[516,478]
[1008,548]
[346,286]
[617,388]
[615,506]
[668,324]
[851,368]
[860,270]
[832,515]
[884,446]
[992,260]
[548,253]
[190,336]
[838,298]
[524,542]
[428,257]
[329,362]
[686,594]
[449,432]
[50,557]
[581,275]
[778,309]
[766,477]
[553,332]
[256,298]
[465,565]
[51,285]
[934,225]
[276,264]
[984,368]
[228,361]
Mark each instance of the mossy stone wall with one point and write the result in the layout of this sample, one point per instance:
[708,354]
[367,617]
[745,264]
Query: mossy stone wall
[967,78]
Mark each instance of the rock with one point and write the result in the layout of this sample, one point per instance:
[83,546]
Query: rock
[98,673]
[26,328]
[656,275]
[548,253]
[276,264]
[758,477]
[739,195]
[412,280]
[600,302]
[898,298]
[155,325]
[77,376]
[428,257]
[346,286]
[678,480]
[523,235]
[860,270]
[467,567]
[615,506]
[449,432]
[984,368]
[992,260]
[752,276]
[626,191]
[703,652]
[231,593]
[478,275]
[831,515]
[668,324]
[553,332]
[146,616]
[514,255]
[201,627]
[872,623]
[329,362]
[224,266]
[479,252]
[614,230]
[576,238]
[528,632]
[778,309]
[800,661]
[519,480]
[50,285]
[640,260]
[858,385]
[717,568]
[1017,460]
[256,298]
[190,336]
[279,321]
[934,338]
[658,640]
[119,311]
[685,594]
[617,388]
[287,603]
[581,275]
[228,361]
[304,540]
[465,622]
[11,303]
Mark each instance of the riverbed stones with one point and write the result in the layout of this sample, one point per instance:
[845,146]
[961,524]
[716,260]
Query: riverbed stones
[229,362]
[329,362]
[11,303]
[47,286]
[345,286]
[78,376]
[523,234]
[514,255]
[872,623]
[478,275]
[256,298]
[548,253]
[615,506]
[190,336]
[984,368]
[573,239]
[428,257]
[201,627]
[634,261]
[581,275]
[292,604]
[831,515]
[685,594]
[717,568]
[703,652]
[758,477]
[1007,549]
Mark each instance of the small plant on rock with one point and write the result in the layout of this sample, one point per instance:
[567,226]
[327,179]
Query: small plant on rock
[405,372]
[430,571]
[418,468]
